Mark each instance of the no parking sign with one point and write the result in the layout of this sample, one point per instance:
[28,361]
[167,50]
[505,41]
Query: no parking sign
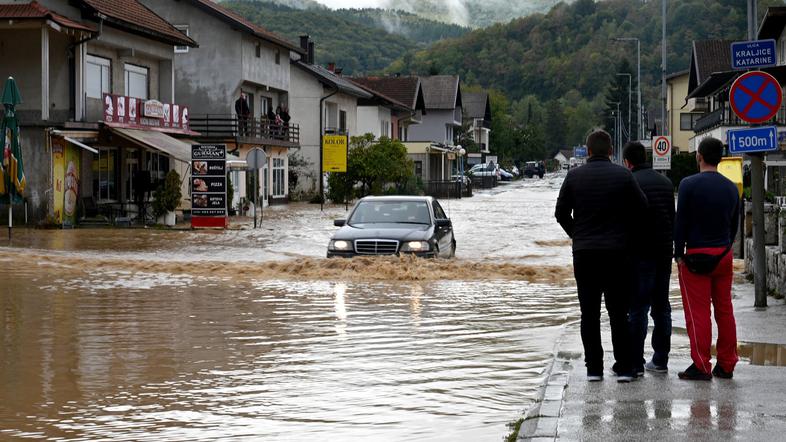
[661,152]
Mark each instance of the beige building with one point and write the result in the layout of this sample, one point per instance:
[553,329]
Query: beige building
[682,113]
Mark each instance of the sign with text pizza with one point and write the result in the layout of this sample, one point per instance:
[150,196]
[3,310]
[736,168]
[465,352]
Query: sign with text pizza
[208,185]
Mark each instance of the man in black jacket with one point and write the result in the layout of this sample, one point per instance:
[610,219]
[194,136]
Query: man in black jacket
[597,207]
[652,261]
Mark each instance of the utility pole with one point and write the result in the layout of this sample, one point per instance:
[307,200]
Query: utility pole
[757,197]
[630,135]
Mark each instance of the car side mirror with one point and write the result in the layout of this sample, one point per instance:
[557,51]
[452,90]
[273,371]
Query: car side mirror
[442,222]
[339,222]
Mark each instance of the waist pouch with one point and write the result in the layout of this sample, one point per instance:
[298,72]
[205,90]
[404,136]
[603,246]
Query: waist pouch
[703,263]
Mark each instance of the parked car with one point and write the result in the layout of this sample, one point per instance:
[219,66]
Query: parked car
[533,168]
[505,175]
[394,225]
[488,169]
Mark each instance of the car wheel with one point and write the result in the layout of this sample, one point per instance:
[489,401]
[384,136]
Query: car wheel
[436,250]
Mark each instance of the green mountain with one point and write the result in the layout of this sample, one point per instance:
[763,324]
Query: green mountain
[357,40]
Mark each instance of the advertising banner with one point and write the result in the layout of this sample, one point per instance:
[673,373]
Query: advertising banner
[208,185]
[71,184]
[134,112]
[58,177]
[334,153]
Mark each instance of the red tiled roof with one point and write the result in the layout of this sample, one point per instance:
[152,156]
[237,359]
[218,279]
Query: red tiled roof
[34,10]
[401,89]
[134,16]
[237,19]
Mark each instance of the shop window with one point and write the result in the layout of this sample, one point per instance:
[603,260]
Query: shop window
[98,72]
[105,174]
[278,177]
[184,29]
[136,81]
[158,165]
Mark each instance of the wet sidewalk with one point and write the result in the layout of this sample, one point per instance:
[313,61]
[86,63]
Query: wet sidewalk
[661,406]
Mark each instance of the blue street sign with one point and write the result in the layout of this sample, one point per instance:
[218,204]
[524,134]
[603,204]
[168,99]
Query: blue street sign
[754,139]
[753,54]
[580,152]
[755,96]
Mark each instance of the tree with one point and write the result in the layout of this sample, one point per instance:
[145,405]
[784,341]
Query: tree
[555,126]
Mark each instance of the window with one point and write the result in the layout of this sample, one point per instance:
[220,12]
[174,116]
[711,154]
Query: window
[184,29]
[419,169]
[158,165]
[384,129]
[136,81]
[258,50]
[105,170]
[688,121]
[438,212]
[448,133]
[98,72]
[278,56]
[342,121]
[278,177]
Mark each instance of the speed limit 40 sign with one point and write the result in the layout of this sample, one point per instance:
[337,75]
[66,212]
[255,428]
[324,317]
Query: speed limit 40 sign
[661,152]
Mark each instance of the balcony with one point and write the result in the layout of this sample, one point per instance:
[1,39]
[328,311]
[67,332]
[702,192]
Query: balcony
[723,116]
[249,130]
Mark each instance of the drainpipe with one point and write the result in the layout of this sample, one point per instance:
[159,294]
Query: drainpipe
[321,147]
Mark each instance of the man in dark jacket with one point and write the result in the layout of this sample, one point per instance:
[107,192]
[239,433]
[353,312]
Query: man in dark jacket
[243,113]
[652,260]
[708,207]
[597,207]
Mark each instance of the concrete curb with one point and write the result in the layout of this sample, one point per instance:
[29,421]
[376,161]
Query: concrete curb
[541,419]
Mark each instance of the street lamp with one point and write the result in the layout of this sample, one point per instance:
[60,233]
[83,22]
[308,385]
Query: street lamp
[617,127]
[629,101]
[638,74]
[461,153]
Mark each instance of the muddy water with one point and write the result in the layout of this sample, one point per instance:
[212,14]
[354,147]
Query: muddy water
[152,335]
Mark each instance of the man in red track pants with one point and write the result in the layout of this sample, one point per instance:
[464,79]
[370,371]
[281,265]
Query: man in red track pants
[706,223]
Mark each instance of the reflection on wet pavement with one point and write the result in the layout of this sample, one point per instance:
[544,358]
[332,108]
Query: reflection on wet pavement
[759,353]
[160,335]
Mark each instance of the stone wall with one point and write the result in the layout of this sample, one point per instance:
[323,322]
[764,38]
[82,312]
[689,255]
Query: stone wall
[775,242]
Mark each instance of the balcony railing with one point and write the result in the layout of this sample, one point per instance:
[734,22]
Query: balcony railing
[724,116]
[252,129]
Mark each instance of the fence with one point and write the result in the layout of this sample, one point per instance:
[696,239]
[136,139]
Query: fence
[447,189]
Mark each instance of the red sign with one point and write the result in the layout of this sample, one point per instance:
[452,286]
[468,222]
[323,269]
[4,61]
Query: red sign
[755,96]
[134,112]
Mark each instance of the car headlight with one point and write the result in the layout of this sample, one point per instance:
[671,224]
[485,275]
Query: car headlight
[416,246]
[339,245]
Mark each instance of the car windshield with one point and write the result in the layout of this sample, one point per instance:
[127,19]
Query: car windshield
[407,212]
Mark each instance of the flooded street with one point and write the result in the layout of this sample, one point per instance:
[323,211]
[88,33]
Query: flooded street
[136,334]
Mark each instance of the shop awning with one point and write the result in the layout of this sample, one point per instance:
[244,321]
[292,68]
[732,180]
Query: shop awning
[73,138]
[160,141]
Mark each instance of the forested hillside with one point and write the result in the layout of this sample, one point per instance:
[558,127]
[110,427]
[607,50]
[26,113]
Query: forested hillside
[358,40]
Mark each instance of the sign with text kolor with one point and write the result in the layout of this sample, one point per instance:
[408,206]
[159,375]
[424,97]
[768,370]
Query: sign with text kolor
[334,153]
[208,186]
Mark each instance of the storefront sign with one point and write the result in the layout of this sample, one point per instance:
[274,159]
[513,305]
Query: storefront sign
[137,113]
[334,153]
[154,109]
[208,185]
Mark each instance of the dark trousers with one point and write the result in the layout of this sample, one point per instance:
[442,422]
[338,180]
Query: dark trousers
[604,273]
[651,296]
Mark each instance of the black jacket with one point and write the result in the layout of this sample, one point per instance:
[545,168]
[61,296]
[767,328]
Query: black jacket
[599,204]
[656,229]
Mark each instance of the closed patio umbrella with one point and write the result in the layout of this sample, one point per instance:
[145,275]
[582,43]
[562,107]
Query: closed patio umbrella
[12,174]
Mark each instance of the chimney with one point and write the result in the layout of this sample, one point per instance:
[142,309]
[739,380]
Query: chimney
[310,55]
[331,67]
[304,42]
[339,71]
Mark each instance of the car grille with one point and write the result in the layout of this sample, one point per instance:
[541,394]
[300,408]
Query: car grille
[376,247]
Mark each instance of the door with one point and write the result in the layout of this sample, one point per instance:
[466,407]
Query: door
[444,234]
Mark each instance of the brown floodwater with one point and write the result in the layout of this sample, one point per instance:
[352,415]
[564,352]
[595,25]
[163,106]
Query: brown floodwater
[143,334]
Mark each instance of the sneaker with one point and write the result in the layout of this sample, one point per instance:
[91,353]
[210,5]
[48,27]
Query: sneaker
[694,374]
[719,372]
[625,378]
[594,377]
[639,372]
[650,366]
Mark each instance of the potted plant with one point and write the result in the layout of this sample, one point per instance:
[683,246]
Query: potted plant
[166,199]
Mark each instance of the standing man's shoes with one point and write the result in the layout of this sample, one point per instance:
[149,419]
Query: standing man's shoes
[694,374]
[719,372]
[594,377]
[650,366]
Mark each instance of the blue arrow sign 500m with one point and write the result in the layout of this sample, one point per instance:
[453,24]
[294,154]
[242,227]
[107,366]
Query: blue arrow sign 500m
[755,139]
